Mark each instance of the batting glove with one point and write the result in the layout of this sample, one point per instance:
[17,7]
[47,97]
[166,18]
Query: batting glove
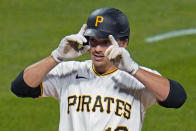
[120,57]
[69,46]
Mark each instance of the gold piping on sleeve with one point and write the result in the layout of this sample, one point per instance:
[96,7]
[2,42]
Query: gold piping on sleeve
[104,74]
[41,86]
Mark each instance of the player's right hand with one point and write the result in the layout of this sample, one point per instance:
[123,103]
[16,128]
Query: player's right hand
[69,46]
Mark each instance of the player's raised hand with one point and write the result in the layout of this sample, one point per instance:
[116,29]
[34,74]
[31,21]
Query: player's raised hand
[120,57]
[69,46]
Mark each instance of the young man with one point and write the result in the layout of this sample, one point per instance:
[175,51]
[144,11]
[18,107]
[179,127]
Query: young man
[110,92]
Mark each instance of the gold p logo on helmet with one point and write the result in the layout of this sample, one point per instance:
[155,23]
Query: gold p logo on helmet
[99,19]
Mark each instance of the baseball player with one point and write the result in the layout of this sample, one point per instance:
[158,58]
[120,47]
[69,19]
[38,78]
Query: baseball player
[110,92]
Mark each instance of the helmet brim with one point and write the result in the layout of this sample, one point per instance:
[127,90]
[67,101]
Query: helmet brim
[96,33]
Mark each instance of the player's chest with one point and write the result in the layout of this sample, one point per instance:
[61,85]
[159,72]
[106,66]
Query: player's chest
[98,90]
[98,95]
[95,86]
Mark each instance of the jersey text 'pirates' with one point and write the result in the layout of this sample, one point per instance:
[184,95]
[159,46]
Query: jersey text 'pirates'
[89,101]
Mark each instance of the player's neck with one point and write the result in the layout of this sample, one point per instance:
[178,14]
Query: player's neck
[103,70]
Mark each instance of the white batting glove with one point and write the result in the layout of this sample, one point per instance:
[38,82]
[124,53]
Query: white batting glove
[69,46]
[120,57]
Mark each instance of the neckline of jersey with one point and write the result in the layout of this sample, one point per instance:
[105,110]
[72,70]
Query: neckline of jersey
[104,74]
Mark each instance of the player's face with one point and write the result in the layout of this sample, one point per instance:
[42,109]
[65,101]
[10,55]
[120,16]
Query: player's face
[97,50]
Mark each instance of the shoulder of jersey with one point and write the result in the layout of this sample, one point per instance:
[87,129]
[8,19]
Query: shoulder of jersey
[76,65]
[71,67]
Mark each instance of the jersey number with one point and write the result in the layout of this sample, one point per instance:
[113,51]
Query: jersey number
[119,128]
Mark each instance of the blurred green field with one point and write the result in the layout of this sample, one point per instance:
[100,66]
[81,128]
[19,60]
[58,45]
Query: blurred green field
[31,29]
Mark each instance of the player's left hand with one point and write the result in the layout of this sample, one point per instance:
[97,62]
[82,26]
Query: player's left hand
[120,57]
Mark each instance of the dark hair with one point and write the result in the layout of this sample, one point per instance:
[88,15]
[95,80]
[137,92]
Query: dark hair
[124,38]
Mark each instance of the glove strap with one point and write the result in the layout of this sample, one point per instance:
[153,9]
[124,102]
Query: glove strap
[55,57]
[134,68]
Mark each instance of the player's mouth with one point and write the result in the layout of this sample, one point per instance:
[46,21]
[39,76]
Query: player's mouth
[98,57]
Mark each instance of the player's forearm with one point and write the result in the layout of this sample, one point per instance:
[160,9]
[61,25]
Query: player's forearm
[155,83]
[34,74]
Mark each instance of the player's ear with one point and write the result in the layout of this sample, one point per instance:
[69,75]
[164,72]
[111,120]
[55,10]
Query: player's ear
[123,43]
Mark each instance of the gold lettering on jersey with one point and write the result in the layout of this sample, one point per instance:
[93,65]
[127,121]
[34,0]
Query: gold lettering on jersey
[109,100]
[119,107]
[127,112]
[85,103]
[79,104]
[99,19]
[98,104]
[71,102]
[86,100]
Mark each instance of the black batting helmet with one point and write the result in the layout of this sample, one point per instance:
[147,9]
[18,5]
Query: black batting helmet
[107,21]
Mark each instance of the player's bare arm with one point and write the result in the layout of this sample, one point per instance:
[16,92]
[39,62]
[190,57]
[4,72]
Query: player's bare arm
[68,48]
[163,88]
[155,83]
[34,74]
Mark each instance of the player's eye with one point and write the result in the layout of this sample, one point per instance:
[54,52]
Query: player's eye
[92,42]
[106,43]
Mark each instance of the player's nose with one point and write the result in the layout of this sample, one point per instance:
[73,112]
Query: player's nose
[98,48]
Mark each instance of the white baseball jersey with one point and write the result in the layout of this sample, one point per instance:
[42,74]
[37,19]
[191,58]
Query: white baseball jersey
[114,101]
